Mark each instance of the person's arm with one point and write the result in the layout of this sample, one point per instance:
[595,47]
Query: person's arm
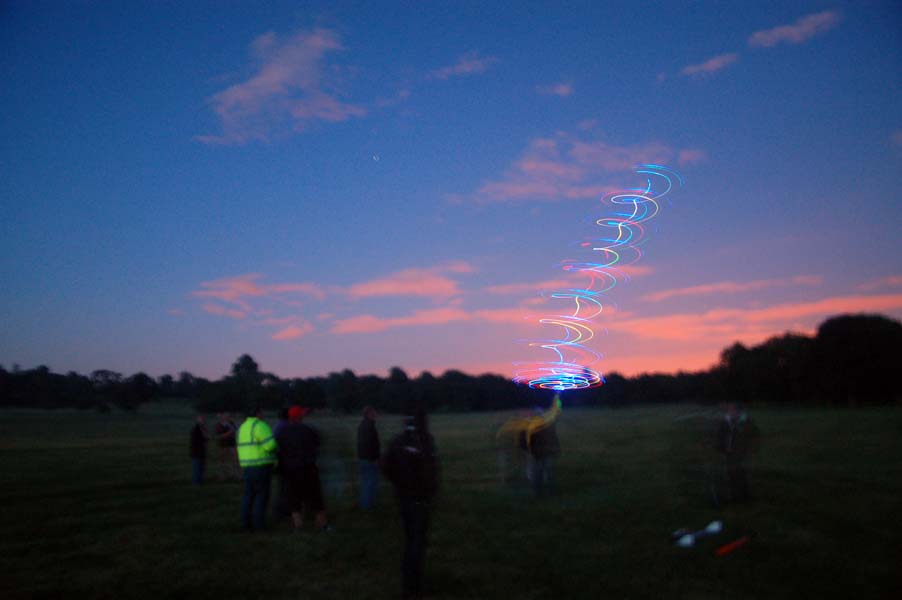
[266,439]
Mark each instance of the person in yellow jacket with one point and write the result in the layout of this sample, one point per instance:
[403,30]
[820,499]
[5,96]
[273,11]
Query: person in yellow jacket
[256,455]
[536,436]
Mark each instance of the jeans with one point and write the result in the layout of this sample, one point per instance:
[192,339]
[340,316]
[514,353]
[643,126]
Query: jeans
[369,482]
[256,497]
[197,470]
[415,516]
[543,475]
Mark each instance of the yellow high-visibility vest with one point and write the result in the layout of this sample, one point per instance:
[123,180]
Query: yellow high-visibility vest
[256,445]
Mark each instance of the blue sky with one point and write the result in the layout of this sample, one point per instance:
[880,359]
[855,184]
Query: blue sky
[330,185]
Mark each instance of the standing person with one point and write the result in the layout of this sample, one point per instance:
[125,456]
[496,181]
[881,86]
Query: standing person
[257,455]
[298,448]
[368,453]
[737,439]
[411,464]
[544,447]
[279,506]
[225,437]
[198,450]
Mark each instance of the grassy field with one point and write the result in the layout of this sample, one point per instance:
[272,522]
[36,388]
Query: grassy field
[100,505]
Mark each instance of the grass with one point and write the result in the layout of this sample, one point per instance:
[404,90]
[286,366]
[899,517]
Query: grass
[100,506]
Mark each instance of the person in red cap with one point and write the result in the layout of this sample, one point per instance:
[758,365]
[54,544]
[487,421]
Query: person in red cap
[298,448]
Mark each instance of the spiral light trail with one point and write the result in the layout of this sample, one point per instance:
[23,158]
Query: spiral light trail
[569,360]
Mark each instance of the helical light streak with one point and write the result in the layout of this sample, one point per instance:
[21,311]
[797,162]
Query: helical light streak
[568,360]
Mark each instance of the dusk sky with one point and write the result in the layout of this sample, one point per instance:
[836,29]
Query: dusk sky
[330,185]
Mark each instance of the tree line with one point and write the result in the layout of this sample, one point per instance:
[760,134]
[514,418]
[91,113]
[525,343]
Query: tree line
[851,360]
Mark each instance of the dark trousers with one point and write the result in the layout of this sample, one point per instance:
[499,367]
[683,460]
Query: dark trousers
[197,470]
[543,475]
[415,516]
[256,497]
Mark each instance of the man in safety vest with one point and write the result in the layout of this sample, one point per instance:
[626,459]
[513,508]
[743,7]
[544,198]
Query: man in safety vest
[256,455]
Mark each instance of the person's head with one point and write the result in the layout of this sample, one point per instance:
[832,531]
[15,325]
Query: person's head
[731,409]
[369,413]
[221,416]
[296,414]
[283,414]
[255,411]
[200,419]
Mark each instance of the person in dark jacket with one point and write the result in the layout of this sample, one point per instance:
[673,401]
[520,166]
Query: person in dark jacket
[411,464]
[198,450]
[368,453]
[298,448]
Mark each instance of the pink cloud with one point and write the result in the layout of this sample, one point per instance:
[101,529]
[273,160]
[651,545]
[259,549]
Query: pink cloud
[431,283]
[726,325]
[529,287]
[712,65]
[569,167]
[884,282]
[732,287]
[562,89]
[372,324]
[691,157]
[237,289]
[470,63]
[215,309]
[285,93]
[293,332]
[801,31]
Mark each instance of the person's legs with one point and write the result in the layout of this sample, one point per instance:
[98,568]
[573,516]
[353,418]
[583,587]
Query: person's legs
[197,471]
[538,475]
[549,475]
[247,499]
[261,496]
[369,482]
[415,517]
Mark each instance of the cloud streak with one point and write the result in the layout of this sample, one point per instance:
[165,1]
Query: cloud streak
[725,325]
[710,66]
[561,89]
[430,283]
[286,92]
[799,32]
[732,287]
[470,63]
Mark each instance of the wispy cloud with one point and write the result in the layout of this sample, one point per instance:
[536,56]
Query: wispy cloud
[293,332]
[432,283]
[470,63]
[373,324]
[801,31]
[890,281]
[570,167]
[562,89]
[222,311]
[287,92]
[732,287]
[712,65]
[529,287]
[725,325]
[896,137]
[691,157]
[237,290]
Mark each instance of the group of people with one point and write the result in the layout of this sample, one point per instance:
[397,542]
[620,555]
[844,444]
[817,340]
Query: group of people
[410,463]
[529,443]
